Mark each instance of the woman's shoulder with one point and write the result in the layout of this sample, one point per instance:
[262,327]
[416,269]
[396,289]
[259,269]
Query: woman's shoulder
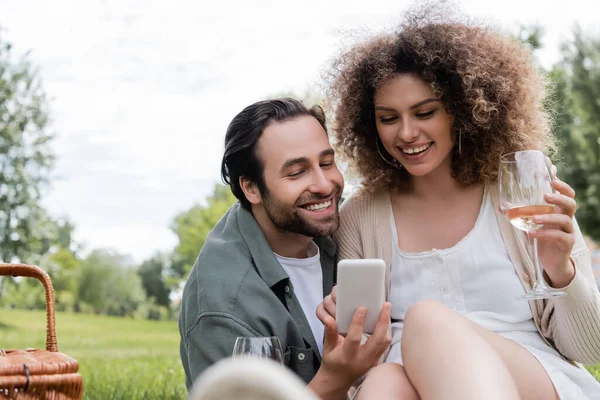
[358,199]
[362,202]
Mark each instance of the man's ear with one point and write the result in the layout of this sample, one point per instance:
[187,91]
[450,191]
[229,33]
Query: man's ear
[250,190]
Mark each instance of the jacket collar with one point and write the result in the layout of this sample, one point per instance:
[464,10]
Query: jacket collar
[272,273]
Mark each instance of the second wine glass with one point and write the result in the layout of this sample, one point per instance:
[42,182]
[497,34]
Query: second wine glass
[262,347]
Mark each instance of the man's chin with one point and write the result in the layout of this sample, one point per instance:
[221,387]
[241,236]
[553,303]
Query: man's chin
[325,229]
[310,228]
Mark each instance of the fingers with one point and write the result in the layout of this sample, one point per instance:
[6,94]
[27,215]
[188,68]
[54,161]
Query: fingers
[329,305]
[564,241]
[322,314]
[561,222]
[384,320]
[380,339]
[355,332]
[330,335]
[567,204]
[563,188]
[505,205]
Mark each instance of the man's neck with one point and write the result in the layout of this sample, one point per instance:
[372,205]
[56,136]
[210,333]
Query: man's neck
[283,243]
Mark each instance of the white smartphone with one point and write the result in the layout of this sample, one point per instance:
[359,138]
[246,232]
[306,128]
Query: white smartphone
[360,283]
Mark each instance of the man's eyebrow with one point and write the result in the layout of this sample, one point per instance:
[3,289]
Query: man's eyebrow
[293,161]
[304,160]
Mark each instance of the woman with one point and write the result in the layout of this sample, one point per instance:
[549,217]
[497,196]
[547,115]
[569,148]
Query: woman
[425,115]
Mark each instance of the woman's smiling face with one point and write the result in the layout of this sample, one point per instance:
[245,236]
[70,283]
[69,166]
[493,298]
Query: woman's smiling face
[413,124]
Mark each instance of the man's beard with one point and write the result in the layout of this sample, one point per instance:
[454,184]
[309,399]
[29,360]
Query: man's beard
[287,218]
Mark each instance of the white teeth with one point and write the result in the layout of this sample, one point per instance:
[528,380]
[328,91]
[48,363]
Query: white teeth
[319,207]
[417,150]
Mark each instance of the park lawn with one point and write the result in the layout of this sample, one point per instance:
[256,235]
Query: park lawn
[595,371]
[118,358]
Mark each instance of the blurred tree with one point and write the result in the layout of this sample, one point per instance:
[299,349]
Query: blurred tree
[64,235]
[25,159]
[63,265]
[154,274]
[193,226]
[531,35]
[52,252]
[109,285]
[576,105]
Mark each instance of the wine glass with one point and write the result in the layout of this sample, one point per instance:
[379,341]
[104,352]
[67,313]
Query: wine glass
[262,347]
[524,178]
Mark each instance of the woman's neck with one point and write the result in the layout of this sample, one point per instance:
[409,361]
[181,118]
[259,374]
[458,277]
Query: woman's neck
[429,188]
[438,184]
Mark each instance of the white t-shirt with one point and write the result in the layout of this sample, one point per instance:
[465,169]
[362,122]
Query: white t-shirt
[306,277]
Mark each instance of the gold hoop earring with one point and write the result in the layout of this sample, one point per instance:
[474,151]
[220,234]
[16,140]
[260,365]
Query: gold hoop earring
[394,163]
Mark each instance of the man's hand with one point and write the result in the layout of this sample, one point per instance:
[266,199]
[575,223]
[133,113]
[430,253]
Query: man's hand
[345,359]
[346,356]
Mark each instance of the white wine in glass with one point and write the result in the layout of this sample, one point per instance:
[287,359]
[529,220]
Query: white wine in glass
[524,179]
[520,217]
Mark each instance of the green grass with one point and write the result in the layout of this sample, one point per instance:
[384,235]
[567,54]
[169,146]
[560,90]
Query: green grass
[595,371]
[118,358]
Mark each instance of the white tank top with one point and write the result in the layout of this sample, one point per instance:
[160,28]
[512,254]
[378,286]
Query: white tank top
[475,278]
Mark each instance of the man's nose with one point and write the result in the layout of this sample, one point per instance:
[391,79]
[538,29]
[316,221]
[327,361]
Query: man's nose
[321,183]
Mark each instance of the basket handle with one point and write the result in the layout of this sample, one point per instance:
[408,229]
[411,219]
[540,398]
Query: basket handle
[31,271]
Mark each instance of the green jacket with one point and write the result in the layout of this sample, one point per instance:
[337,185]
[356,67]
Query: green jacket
[238,288]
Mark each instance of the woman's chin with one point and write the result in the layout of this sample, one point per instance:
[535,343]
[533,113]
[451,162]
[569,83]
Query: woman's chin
[418,171]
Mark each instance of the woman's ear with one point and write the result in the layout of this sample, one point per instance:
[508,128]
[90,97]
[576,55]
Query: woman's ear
[250,190]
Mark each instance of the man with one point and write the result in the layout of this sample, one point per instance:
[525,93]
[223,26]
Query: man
[268,263]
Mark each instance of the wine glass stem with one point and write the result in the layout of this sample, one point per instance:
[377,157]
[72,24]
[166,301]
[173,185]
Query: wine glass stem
[539,272]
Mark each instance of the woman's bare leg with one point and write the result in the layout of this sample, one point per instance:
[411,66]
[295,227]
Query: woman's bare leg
[387,381]
[531,378]
[447,356]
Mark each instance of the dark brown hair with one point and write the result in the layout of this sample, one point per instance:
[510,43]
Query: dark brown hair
[240,157]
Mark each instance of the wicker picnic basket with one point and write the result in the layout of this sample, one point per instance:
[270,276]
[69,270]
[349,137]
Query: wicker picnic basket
[38,374]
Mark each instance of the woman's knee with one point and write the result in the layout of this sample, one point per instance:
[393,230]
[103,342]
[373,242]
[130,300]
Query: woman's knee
[388,370]
[387,380]
[426,316]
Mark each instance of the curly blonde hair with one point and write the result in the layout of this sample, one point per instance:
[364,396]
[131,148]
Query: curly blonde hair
[487,82]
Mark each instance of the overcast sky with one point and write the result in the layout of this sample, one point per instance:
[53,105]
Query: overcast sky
[143,90]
